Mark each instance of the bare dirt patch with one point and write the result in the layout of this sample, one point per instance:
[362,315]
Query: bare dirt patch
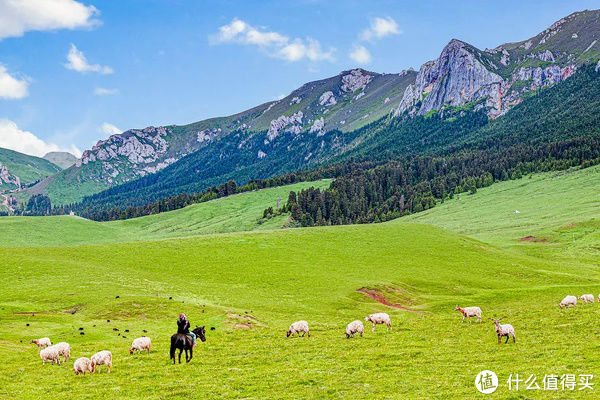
[532,239]
[389,296]
[246,321]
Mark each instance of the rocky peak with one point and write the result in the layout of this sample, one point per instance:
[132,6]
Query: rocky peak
[455,78]
[354,80]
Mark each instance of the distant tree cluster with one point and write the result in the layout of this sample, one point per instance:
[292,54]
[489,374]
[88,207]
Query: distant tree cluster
[416,183]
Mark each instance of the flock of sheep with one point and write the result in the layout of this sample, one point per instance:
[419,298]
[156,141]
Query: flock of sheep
[507,330]
[353,327]
[572,300]
[53,353]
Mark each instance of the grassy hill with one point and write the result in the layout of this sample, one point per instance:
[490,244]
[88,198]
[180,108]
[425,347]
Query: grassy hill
[251,286]
[27,168]
[229,214]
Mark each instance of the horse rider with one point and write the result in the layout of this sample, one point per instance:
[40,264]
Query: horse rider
[183,326]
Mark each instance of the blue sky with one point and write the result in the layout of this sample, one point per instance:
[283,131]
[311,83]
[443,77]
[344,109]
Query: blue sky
[157,62]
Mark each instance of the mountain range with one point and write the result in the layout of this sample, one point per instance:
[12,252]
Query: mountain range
[326,120]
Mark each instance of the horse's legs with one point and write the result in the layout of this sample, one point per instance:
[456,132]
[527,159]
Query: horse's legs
[180,351]
[191,354]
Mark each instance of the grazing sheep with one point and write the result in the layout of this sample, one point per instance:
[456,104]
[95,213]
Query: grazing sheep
[379,318]
[82,365]
[469,312]
[297,327]
[103,357]
[568,301]
[587,298]
[504,330]
[354,327]
[50,354]
[64,349]
[41,342]
[141,344]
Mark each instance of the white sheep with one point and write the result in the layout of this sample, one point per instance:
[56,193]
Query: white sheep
[103,357]
[354,327]
[568,301]
[64,349]
[141,344]
[41,342]
[587,298]
[469,312]
[379,318]
[50,354]
[504,330]
[82,365]
[297,327]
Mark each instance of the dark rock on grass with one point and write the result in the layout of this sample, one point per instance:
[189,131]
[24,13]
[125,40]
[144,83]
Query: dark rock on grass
[170,298]
[117,297]
[212,328]
[108,320]
[82,333]
[126,330]
[80,328]
[27,324]
[145,331]
[115,329]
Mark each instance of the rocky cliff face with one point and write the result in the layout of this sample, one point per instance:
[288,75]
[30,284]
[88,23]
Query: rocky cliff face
[497,79]
[6,178]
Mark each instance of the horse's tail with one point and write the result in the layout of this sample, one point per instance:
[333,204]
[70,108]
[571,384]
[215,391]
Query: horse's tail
[172,350]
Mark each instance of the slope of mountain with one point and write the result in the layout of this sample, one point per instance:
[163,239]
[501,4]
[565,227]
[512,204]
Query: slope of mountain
[344,102]
[325,119]
[18,170]
[61,158]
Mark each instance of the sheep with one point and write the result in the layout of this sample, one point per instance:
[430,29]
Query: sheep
[504,330]
[297,327]
[469,312]
[82,365]
[41,342]
[587,298]
[568,301]
[354,327]
[50,354]
[379,318]
[141,344]
[103,357]
[64,349]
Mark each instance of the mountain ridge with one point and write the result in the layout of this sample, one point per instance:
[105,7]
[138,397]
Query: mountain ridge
[319,120]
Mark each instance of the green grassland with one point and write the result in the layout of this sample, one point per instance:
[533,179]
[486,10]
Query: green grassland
[229,214]
[250,286]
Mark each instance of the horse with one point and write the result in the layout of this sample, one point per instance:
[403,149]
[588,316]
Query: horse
[182,342]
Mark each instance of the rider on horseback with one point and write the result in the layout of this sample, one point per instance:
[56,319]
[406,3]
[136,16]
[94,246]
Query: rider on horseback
[183,326]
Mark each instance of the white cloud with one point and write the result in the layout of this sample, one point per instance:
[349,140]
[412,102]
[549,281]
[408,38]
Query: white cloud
[78,62]
[11,87]
[109,129]
[380,27]
[274,44]
[13,138]
[360,54]
[20,16]
[100,91]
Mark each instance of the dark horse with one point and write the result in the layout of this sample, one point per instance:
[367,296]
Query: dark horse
[182,342]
